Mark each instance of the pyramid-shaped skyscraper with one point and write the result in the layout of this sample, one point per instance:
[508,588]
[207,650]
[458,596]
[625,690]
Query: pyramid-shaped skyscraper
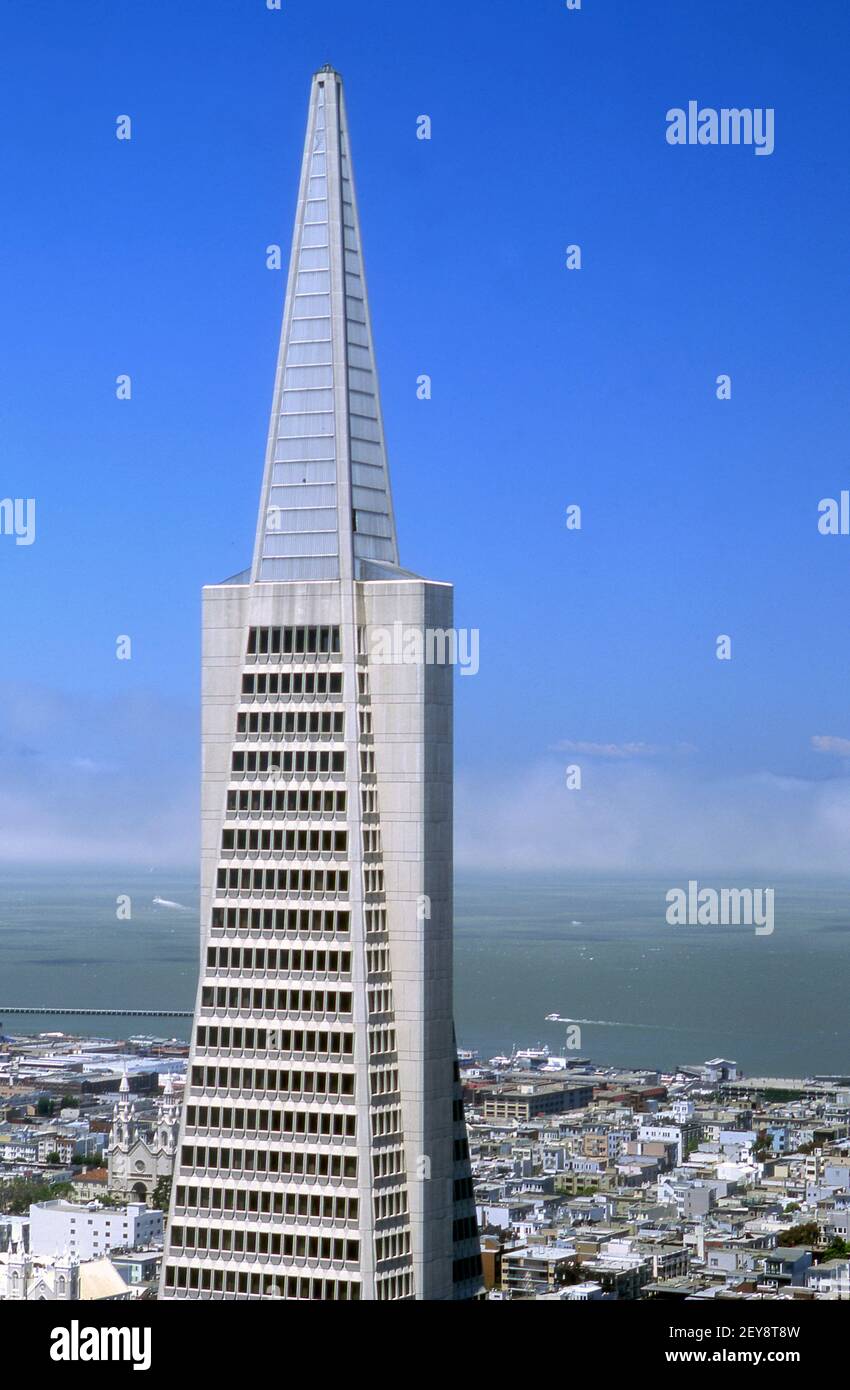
[322,1151]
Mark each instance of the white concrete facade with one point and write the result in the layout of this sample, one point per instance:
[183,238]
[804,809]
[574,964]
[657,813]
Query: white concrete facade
[87,1232]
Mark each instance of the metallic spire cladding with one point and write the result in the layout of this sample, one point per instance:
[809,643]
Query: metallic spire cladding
[326,500]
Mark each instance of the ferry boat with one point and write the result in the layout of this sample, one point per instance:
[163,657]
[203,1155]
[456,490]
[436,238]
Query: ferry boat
[531,1056]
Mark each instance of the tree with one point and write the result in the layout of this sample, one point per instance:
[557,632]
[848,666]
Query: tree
[806,1234]
[17,1194]
[53,1157]
[162,1194]
[837,1249]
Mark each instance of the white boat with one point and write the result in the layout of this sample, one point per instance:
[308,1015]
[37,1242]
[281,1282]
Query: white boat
[533,1056]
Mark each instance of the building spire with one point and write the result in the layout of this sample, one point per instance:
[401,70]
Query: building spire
[326,507]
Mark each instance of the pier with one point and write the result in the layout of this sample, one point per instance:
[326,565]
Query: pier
[95,1013]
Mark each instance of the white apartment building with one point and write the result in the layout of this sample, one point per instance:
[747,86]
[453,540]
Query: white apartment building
[87,1232]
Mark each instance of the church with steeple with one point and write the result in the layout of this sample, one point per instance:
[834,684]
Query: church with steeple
[26,1278]
[141,1152]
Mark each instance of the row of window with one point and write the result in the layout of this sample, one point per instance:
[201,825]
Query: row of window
[376,920]
[298,1041]
[268,1161]
[328,921]
[278,685]
[393,1246]
[229,1281]
[299,1124]
[285,803]
[281,1001]
[292,724]
[272,1082]
[292,641]
[383,1082]
[385,1122]
[303,764]
[377,960]
[464,1229]
[305,1206]
[373,880]
[293,962]
[395,1287]
[387,1163]
[265,1244]
[392,1202]
[381,1040]
[470,1268]
[300,882]
[380,1000]
[284,841]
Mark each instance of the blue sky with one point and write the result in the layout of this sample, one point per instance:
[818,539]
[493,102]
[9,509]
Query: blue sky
[550,387]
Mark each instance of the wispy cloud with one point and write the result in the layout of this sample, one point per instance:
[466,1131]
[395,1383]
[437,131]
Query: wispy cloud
[588,749]
[828,743]
[607,750]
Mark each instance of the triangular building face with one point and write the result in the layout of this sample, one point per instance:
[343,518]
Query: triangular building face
[326,493]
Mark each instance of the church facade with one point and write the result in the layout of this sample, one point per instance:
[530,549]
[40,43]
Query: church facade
[140,1154]
[26,1278]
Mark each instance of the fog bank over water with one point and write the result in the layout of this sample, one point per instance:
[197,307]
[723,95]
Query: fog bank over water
[636,816]
[100,779]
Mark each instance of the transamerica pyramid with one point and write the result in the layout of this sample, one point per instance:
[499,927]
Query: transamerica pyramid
[322,1151]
